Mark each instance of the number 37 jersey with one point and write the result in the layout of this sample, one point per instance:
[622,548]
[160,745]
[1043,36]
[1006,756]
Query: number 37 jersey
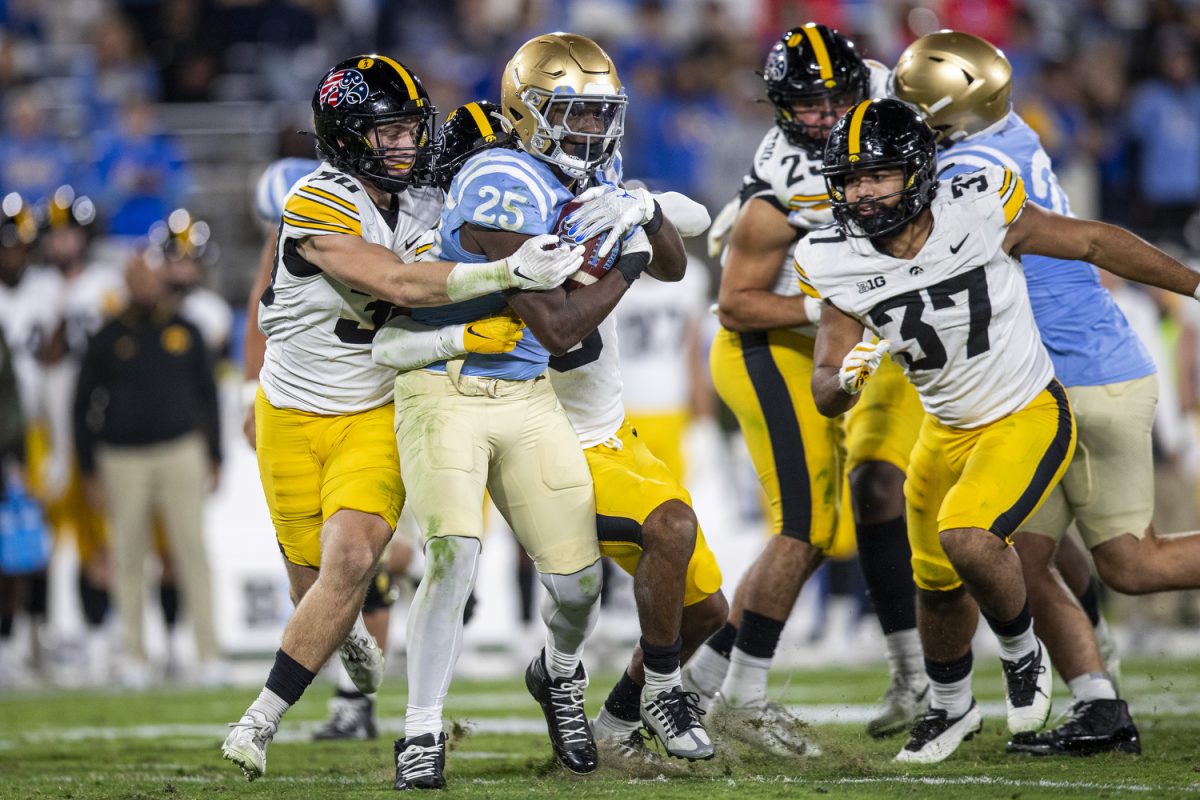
[957,315]
[319,330]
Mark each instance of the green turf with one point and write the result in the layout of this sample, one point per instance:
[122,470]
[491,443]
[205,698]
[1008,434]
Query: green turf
[165,744]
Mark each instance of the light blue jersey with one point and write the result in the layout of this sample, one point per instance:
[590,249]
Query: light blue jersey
[506,190]
[274,184]
[1089,340]
[1087,336]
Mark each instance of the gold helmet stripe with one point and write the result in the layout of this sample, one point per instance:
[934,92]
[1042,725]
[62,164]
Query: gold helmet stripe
[818,46]
[404,76]
[856,129]
[485,127]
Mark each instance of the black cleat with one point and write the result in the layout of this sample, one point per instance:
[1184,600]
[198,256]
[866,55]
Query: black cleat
[935,736]
[350,718]
[561,700]
[421,762]
[1095,726]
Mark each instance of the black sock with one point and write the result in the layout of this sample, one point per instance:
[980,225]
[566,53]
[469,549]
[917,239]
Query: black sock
[1013,627]
[886,560]
[351,694]
[94,600]
[625,700]
[665,659]
[168,598]
[1090,600]
[722,641]
[6,626]
[39,590]
[758,636]
[288,678]
[949,671]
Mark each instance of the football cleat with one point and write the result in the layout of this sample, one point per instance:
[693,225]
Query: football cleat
[1094,726]
[246,744]
[350,718]
[561,700]
[769,726]
[694,681]
[936,736]
[1028,683]
[362,659]
[421,762]
[902,705]
[673,717]
[629,746]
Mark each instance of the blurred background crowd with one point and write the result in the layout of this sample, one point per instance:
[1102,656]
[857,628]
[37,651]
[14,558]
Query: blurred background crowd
[146,107]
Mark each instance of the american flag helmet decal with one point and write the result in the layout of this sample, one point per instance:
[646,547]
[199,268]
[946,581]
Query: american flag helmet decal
[343,86]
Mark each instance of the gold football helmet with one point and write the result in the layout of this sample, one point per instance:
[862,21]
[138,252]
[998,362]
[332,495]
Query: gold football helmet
[562,95]
[960,83]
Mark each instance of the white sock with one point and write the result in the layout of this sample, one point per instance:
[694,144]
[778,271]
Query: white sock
[270,705]
[954,697]
[745,684]
[905,658]
[420,720]
[657,682]
[560,664]
[1014,648]
[707,669]
[608,726]
[1092,686]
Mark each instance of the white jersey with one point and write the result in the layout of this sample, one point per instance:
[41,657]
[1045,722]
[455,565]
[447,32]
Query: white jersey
[957,314]
[30,313]
[587,380]
[319,330]
[89,300]
[655,321]
[789,178]
[209,312]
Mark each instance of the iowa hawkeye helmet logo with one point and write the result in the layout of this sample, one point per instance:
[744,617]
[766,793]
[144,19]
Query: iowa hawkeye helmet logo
[343,86]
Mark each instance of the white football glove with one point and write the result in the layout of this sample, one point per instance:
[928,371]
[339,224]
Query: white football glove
[859,363]
[812,309]
[608,208]
[543,262]
[722,224]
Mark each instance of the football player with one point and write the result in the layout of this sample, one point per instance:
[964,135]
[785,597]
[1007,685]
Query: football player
[327,458]
[761,360]
[1110,378]
[949,301]
[495,423]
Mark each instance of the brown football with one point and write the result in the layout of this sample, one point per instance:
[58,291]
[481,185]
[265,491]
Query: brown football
[594,267]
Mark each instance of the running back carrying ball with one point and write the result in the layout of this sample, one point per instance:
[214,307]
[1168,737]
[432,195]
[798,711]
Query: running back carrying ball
[594,266]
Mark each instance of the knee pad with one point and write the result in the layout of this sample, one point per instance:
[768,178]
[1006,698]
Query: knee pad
[579,590]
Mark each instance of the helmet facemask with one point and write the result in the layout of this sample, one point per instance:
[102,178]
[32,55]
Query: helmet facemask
[811,137]
[872,217]
[578,133]
[387,154]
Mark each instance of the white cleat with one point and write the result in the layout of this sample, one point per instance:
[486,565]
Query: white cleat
[246,744]
[673,717]
[935,736]
[1028,682]
[769,726]
[362,659]
[903,704]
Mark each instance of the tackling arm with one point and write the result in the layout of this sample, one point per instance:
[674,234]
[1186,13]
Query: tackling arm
[758,248]
[1040,232]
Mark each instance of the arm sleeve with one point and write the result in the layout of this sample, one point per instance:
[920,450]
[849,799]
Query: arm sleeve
[405,344]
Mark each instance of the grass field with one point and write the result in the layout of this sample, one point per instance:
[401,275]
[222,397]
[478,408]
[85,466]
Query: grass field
[165,744]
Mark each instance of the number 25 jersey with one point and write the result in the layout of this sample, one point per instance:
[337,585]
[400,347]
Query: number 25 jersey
[957,314]
[319,331]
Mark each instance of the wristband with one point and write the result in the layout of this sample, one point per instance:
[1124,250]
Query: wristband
[655,222]
[631,266]
[249,391]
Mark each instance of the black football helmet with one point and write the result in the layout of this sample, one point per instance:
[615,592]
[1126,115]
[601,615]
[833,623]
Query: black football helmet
[18,222]
[879,134]
[812,63]
[467,130]
[67,209]
[358,96]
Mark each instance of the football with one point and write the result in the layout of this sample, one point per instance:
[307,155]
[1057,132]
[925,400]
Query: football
[594,267]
